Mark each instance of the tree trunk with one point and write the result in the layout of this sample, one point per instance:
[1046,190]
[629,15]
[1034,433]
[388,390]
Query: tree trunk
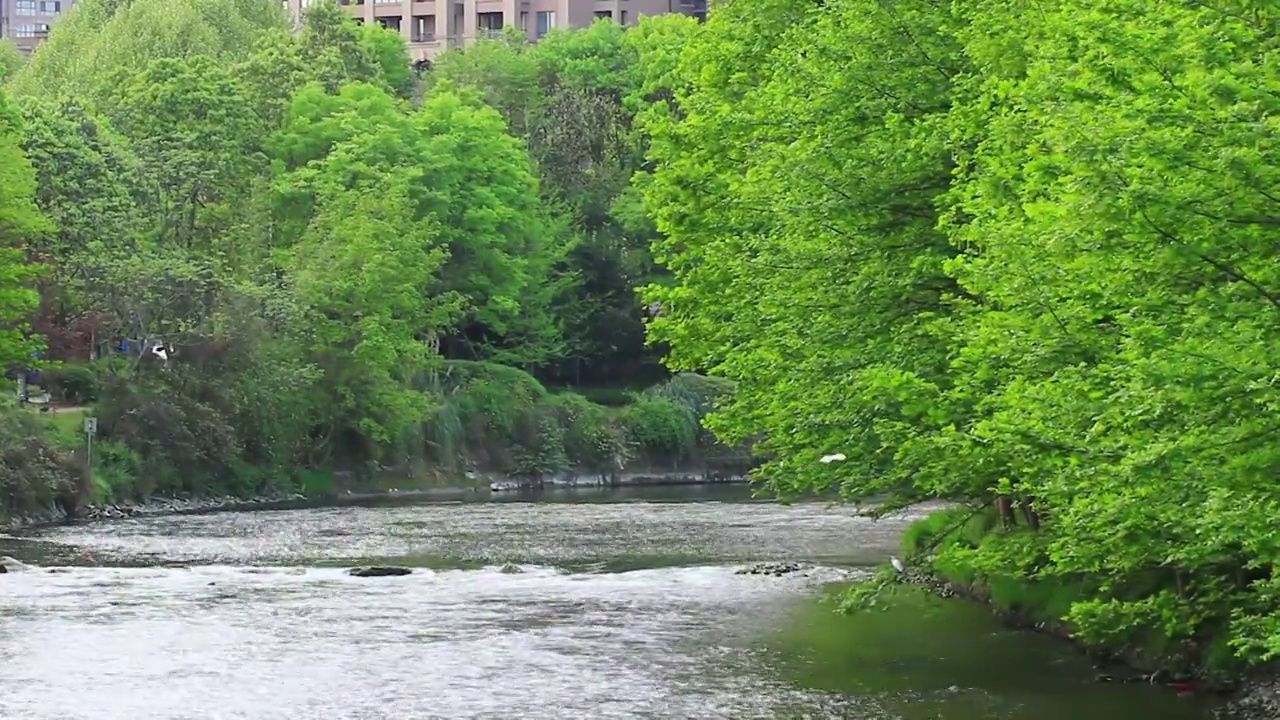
[1004,504]
[1029,513]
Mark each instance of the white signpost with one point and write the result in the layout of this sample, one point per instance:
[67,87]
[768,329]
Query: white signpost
[90,429]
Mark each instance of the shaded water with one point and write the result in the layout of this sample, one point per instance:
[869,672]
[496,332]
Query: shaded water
[628,607]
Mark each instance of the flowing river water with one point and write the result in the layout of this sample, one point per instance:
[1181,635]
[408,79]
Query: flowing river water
[628,606]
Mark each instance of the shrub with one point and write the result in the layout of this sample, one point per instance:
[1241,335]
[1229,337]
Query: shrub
[77,384]
[539,443]
[661,427]
[594,439]
[491,398]
[116,471]
[697,392]
[34,474]
[182,443]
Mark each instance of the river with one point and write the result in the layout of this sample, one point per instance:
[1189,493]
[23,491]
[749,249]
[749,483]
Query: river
[628,606]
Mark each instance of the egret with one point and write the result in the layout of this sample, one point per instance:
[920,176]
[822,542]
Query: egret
[827,459]
[897,564]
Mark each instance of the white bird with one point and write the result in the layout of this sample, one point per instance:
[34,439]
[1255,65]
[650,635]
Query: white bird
[161,352]
[897,564]
[827,459]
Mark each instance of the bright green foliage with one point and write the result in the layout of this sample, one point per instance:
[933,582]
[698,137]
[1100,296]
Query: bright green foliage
[99,38]
[827,239]
[364,268]
[1011,254]
[194,132]
[389,52]
[11,59]
[462,170]
[334,48]
[20,220]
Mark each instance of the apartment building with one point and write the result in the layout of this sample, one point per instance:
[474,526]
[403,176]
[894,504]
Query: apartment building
[27,22]
[433,26]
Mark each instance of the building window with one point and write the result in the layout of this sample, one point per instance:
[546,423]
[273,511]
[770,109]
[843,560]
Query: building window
[623,21]
[25,7]
[604,14]
[390,23]
[424,28]
[50,7]
[524,21]
[386,2]
[546,21]
[31,30]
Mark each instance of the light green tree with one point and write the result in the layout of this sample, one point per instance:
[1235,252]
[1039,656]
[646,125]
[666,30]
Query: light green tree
[20,220]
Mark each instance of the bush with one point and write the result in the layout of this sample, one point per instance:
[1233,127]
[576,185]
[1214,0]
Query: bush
[539,443]
[594,439]
[662,427]
[183,445]
[697,392]
[77,384]
[34,474]
[116,471]
[490,398]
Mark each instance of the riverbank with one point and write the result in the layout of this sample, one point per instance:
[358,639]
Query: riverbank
[940,548]
[476,485]
[496,428]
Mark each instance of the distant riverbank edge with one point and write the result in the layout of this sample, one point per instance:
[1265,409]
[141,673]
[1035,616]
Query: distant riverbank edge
[472,486]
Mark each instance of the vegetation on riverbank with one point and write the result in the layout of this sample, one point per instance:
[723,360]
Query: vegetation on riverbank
[956,547]
[265,259]
[1016,256]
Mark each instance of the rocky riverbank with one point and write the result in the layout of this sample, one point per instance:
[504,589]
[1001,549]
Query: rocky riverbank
[637,478]
[473,485]
[155,506]
[1258,699]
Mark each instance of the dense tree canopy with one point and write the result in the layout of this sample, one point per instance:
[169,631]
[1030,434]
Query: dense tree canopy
[1000,253]
[311,232]
[20,221]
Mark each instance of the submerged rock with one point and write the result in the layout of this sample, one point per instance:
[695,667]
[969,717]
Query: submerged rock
[776,569]
[379,571]
[8,564]
[511,569]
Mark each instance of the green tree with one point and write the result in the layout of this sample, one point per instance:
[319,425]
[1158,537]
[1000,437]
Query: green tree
[87,51]
[336,49]
[798,207]
[11,59]
[1123,238]
[366,269]
[194,132]
[20,220]
[388,49]
[468,174]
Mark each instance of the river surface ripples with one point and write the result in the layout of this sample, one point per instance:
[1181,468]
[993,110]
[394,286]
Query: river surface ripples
[626,605]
